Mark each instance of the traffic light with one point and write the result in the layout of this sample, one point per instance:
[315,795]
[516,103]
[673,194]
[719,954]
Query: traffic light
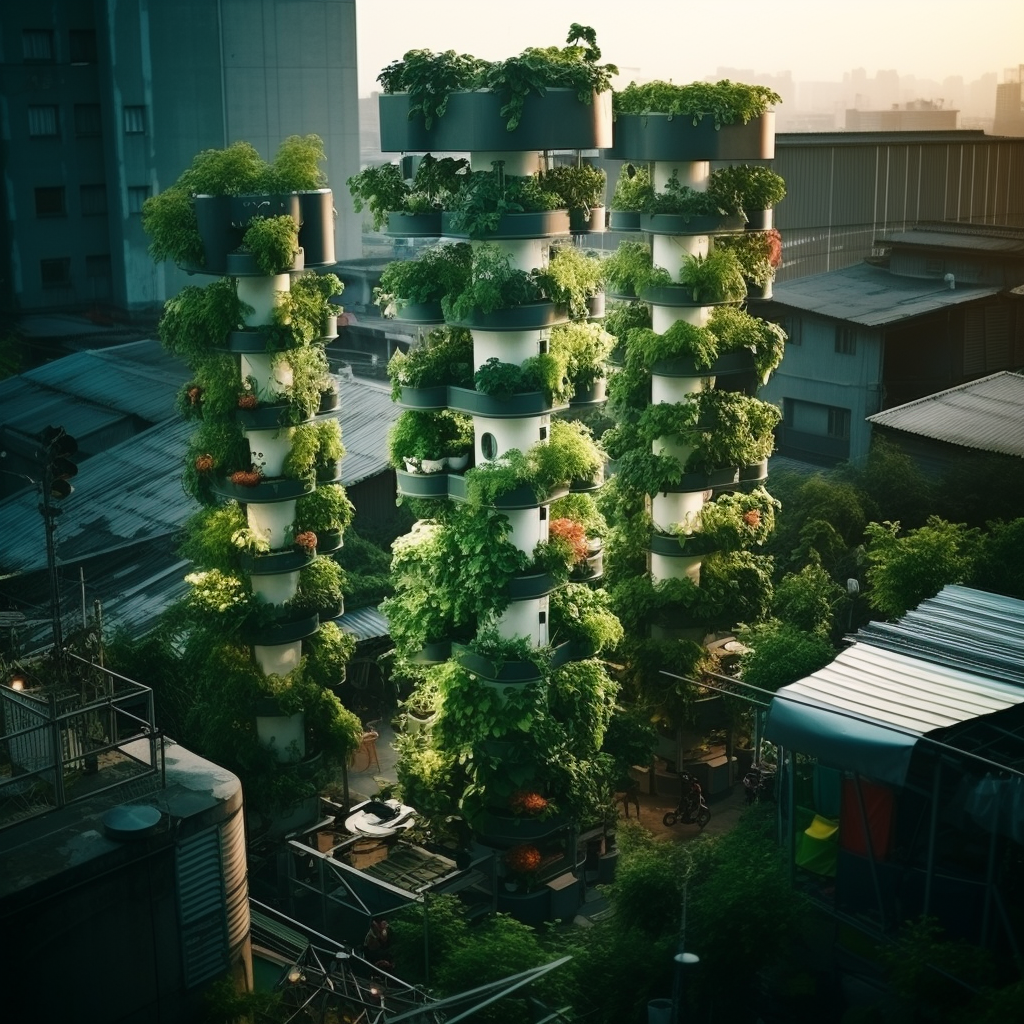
[59,449]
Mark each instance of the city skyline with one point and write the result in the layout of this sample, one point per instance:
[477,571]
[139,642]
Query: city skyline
[930,41]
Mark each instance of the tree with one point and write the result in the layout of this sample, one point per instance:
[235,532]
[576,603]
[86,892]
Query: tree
[808,599]
[781,653]
[906,570]
[999,566]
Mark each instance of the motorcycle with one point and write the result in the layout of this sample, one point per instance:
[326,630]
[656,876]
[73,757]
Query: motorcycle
[692,809]
[759,783]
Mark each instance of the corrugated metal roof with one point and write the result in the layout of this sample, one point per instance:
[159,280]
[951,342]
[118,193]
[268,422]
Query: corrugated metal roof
[366,412]
[960,627]
[900,692]
[364,623]
[959,135]
[961,242]
[985,414]
[871,296]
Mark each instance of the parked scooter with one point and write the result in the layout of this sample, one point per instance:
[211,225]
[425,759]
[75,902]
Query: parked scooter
[692,809]
[759,783]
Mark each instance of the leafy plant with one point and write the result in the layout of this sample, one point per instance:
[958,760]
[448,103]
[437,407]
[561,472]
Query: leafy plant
[197,320]
[487,196]
[273,243]
[444,356]
[328,653]
[729,523]
[494,284]
[727,102]
[630,269]
[759,253]
[580,508]
[634,190]
[300,314]
[746,187]
[169,217]
[717,277]
[439,270]
[571,278]
[646,347]
[321,586]
[735,328]
[381,189]
[684,201]
[419,435]
[324,509]
[215,449]
[429,79]
[584,347]
[570,454]
[584,614]
[579,186]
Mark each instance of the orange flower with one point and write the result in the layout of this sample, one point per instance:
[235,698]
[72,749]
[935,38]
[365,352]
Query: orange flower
[752,518]
[523,859]
[306,539]
[527,802]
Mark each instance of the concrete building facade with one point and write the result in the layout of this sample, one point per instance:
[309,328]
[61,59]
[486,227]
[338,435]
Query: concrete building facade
[106,103]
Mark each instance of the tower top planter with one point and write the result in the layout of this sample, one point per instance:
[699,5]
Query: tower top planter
[473,121]
[676,137]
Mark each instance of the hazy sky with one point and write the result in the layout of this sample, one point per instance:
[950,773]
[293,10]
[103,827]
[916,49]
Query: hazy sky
[685,40]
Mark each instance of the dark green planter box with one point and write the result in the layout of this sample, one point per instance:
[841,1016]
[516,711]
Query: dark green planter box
[264,493]
[586,222]
[244,208]
[329,400]
[434,653]
[285,632]
[213,217]
[595,483]
[624,220]
[754,475]
[422,485]
[531,403]
[266,417]
[571,650]
[329,612]
[680,224]
[243,264]
[621,294]
[532,908]
[329,474]
[543,224]
[522,497]
[523,588]
[316,227]
[665,544]
[606,865]
[329,541]
[499,672]
[425,398]
[594,395]
[704,481]
[329,329]
[420,313]
[661,137]
[528,317]
[274,563]
[502,830]
[254,342]
[595,306]
[472,121]
[593,570]
[737,362]
[677,295]
[414,225]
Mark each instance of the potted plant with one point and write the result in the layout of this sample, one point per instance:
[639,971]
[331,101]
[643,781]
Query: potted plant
[443,357]
[570,456]
[633,195]
[752,188]
[327,512]
[495,204]
[321,589]
[717,277]
[630,270]
[571,279]
[582,616]
[494,284]
[417,441]
[759,254]
[413,289]
[737,329]
[581,189]
[585,348]
[273,245]
[196,322]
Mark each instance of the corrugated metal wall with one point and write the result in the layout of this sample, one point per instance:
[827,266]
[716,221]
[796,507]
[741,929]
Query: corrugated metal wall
[843,194]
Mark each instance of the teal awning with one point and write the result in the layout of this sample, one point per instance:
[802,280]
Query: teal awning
[866,710]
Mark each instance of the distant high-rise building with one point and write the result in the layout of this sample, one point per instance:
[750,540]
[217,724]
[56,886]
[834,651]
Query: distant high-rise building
[105,104]
[916,116]
[1010,104]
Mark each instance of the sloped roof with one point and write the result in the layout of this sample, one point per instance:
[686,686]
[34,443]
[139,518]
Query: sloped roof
[867,709]
[960,627]
[366,412]
[871,296]
[998,244]
[985,414]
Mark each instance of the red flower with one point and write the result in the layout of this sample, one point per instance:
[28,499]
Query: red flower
[523,859]
[248,401]
[573,532]
[246,478]
[527,802]
[204,463]
[306,539]
[752,518]
[195,394]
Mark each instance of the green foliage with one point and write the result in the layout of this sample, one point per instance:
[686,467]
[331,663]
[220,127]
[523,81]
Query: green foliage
[487,196]
[809,599]
[585,347]
[754,251]
[731,522]
[735,328]
[224,447]
[324,509]
[570,454]
[782,653]
[209,536]
[998,565]
[746,187]
[906,570]
[444,356]
[273,243]
[439,270]
[579,187]
[494,284]
[367,567]
[684,201]
[634,190]
[420,435]
[169,218]
[321,587]
[197,320]
[571,278]
[328,653]
[583,614]
[646,347]
[580,508]
[717,277]
[727,102]
[381,189]
[630,269]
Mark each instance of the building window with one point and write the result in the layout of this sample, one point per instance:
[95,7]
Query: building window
[82,46]
[794,328]
[846,341]
[37,44]
[934,268]
[50,202]
[42,122]
[87,119]
[137,195]
[135,120]
[838,422]
[55,273]
[97,273]
[93,199]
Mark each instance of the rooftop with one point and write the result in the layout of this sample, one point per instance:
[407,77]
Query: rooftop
[986,415]
[871,296]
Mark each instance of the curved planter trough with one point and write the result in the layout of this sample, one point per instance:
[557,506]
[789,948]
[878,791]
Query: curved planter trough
[529,317]
[663,137]
[681,224]
[678,295]
[274,562]
[267,417]
[473,121]
[543,224]
[498,829]
[265,492]
[414,225]
[624,220]
[473,403]
[419,313]
[739,361]
[506,672]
